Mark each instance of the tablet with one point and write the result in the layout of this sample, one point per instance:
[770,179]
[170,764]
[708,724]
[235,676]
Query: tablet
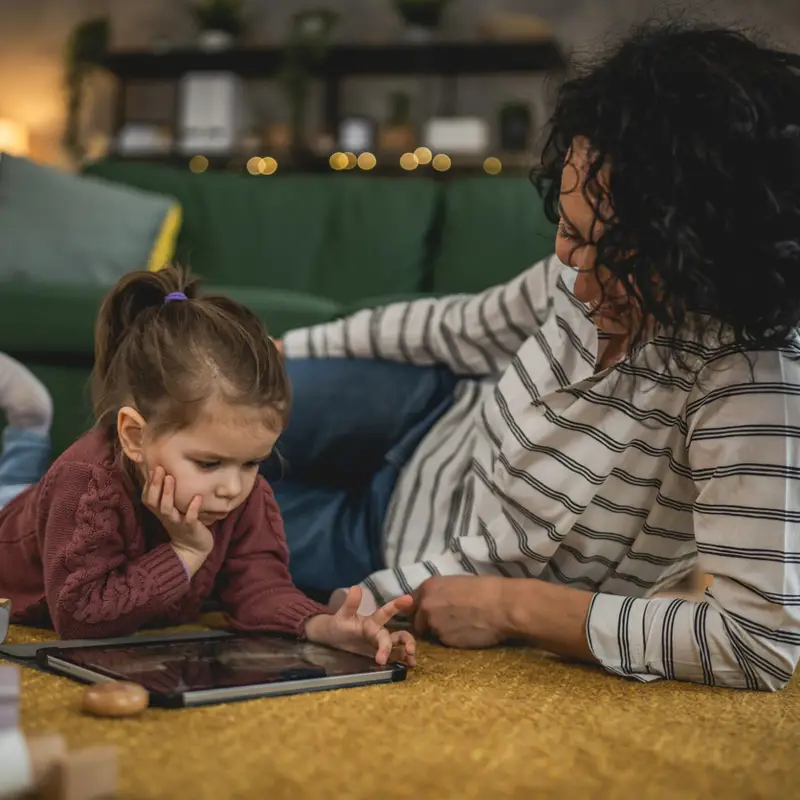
[178,674]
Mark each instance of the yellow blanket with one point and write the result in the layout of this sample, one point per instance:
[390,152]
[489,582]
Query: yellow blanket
[493,724]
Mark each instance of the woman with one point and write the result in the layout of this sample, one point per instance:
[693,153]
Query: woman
[617,422]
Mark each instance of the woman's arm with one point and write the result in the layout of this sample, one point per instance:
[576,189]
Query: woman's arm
[470,334]
[744,451]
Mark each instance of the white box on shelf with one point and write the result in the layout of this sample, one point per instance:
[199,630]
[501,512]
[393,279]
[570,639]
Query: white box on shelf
[141,138]
[213,113]
[457,135]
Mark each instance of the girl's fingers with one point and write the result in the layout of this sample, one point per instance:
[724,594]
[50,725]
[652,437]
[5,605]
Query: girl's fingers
[154,489]
[193,511]
[168,497]
[352,601]
[381,639]
[392,608]
[404,648]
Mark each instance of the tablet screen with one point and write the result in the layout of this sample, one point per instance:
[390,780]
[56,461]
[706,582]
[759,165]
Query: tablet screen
[193,666]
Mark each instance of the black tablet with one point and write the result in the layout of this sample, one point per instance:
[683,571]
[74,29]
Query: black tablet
[179,674]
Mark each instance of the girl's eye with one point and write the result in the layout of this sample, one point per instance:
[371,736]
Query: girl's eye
[253,464]
[207,464]
[566,233]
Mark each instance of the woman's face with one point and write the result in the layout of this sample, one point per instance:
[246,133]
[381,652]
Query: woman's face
[577,232]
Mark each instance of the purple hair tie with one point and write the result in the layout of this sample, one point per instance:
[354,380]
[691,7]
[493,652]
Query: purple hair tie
[175,296]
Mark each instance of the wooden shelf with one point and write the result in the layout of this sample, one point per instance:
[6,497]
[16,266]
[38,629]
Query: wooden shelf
[437,58]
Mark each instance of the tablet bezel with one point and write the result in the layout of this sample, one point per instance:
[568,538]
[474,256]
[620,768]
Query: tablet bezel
[57,660]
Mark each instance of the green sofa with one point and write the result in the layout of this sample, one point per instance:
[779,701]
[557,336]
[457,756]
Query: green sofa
[297,249]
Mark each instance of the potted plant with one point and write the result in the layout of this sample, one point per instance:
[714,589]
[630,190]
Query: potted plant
[304,48]
[421,16]
[219,22]
[397,134]
[86,48]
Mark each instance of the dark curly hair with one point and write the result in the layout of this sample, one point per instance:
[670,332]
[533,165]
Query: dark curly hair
[701,128]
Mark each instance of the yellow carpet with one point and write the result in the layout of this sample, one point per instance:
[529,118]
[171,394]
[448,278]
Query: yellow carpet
[494,724]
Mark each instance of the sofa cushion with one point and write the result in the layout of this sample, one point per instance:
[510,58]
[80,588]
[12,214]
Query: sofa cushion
[493,229]
[280,310]
[338,236]
[377,237]
[65,228]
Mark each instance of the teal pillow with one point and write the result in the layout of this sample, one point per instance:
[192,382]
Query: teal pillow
[61,228]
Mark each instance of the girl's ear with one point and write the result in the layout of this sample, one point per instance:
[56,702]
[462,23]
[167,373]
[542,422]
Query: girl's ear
[130,430]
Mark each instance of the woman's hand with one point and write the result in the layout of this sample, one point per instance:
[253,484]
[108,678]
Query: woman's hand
[192,540]
[347,630]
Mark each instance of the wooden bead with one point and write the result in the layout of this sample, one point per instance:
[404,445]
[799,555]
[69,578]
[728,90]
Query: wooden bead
[118,699]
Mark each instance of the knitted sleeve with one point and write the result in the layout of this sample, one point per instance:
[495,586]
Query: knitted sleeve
[256,589]
[87,527]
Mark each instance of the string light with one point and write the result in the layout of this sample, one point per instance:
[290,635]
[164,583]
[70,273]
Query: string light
[441,162]
[198,164]
[338,161]
[351,160]
[492,165]
[409,161]
[424,155]
[269,166]
[255,165]
[367,161]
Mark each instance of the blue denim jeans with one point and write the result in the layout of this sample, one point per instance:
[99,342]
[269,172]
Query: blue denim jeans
[354,424]
[23,460]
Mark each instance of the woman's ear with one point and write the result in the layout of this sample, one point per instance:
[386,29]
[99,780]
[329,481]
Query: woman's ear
[130,430]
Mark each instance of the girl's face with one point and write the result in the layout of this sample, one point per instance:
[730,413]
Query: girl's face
[217,457]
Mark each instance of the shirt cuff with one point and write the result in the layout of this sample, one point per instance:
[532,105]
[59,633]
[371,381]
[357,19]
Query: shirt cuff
[615,631]
[295,343]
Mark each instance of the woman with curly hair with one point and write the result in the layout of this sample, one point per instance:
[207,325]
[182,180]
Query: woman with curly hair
[623,414]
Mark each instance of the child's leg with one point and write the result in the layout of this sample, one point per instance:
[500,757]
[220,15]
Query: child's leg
[28,410]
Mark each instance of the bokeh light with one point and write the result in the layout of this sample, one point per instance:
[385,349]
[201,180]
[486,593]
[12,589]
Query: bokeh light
[338,161]
[255,165]
[269,166]
[351,160]
[492,166]
[367,161]
[424,155]
[198,164]
[409,161]
[441,162]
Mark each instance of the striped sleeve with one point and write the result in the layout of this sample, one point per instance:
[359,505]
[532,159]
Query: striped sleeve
[744,452]
[387,584]
[470,334]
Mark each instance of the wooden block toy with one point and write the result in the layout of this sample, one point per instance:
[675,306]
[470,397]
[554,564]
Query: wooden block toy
[89,774]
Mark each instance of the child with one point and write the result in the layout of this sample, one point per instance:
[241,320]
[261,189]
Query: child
[28,410]
[161,505]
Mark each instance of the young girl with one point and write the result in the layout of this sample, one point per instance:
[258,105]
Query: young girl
[161,505]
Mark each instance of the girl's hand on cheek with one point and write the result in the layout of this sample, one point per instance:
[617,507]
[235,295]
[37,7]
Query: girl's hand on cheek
[189,536]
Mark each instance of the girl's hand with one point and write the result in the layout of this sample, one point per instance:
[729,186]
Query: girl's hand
[192,540]
[347,630]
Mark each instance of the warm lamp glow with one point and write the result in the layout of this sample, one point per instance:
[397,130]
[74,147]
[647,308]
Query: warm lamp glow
[13,138]
[367,161]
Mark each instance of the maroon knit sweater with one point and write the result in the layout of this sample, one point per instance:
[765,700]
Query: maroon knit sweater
[79,552]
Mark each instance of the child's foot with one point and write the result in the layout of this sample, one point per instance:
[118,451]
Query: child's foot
[23,397]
